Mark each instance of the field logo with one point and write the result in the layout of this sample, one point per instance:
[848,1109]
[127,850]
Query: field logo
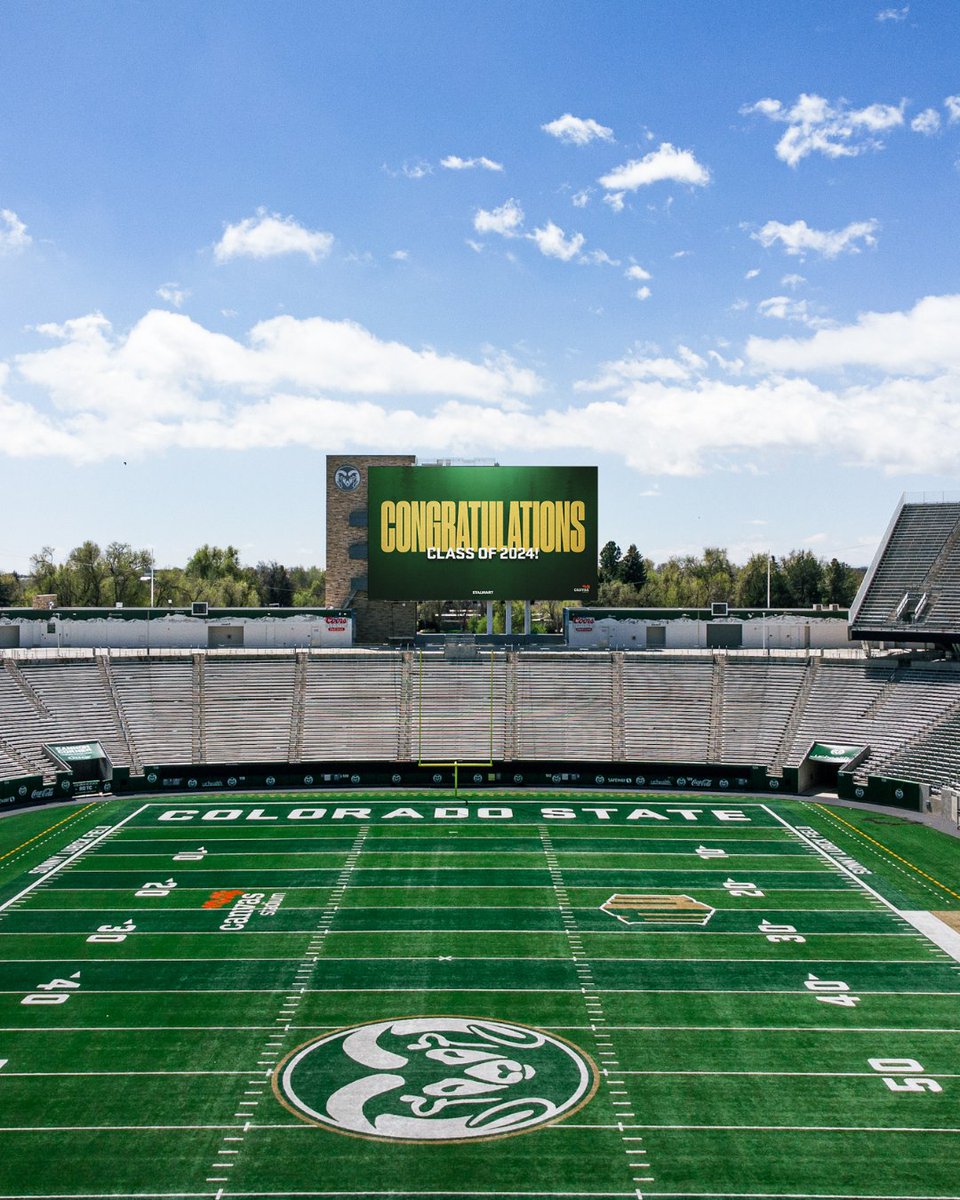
[434,1079]
[637,909]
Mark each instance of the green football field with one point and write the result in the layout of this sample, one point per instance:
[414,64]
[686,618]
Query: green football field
[421,995]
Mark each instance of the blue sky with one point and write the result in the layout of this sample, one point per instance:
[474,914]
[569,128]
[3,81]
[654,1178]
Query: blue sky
[711,248]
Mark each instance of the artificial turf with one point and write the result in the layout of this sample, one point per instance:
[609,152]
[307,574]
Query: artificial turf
[745,1057]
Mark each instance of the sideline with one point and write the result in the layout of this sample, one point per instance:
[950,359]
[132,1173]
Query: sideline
[37,836]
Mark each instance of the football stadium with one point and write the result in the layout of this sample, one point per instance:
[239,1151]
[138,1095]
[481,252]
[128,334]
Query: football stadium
[377,914]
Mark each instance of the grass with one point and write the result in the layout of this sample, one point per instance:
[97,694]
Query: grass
[729,1059]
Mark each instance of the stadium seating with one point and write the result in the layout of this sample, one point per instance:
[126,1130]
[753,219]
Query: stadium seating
[913,589]
[743,708]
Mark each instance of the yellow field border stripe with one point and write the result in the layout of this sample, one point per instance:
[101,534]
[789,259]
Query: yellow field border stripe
[829,812]
[37,836]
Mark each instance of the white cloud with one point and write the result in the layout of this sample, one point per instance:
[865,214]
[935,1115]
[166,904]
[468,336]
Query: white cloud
[952,105]
[506,220]
[665,163]
[927,122]
[924,341]
[786,308]
[615,200]
[615,375]
[581,199]
[170,375]
[894,14]
[400,255]
[552,242]
[643,293]
[793,281]
[600,258]
[637,272]
[814,126]
[169,383]
[800,239]
[453,163]
[173,293]
[752,273]
[268,235]
[13,232]
[577,131]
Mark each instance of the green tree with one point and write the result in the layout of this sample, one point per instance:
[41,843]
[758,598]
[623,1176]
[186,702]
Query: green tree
[43,572]
[309,587]
[124,567]
[11,589]
[89,570]
[633,567]
[840,583]
[610,561]
[274,585]
[803,578]
[751,590]
[716,575]
[211,563]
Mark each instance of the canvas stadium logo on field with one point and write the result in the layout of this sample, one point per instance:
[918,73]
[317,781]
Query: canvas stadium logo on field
[419,1079]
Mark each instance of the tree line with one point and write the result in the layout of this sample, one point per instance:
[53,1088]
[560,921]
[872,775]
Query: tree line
[797,580]
[91,577]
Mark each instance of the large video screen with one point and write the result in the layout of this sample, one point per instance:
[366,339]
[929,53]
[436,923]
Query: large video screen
[482,533]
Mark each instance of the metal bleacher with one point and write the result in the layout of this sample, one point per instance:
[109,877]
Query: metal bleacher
[911,593]
[741,708]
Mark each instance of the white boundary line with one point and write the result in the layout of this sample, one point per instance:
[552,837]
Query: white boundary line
[73,857]
[839,865]
[499,1195]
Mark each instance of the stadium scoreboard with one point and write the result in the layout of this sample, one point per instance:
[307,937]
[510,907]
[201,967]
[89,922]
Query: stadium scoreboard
[482,533]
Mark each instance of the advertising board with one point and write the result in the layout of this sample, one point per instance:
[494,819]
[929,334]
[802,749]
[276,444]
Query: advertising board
[482,533]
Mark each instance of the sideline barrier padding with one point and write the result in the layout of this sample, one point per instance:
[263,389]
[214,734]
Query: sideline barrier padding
[319,776]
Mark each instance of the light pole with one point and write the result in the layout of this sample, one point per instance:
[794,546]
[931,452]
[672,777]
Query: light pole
[143,579]
[150,577]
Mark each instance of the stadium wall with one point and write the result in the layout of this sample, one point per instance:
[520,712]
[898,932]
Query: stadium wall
[695,778]
[697,629]
[152,629]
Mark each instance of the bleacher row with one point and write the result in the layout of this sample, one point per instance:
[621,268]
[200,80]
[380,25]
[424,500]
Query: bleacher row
[394,705]
[915,584]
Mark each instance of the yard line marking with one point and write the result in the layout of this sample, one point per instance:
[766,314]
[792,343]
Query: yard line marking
[607,991]
[801,1196]
[474,958]
[790,1074]
[385,932]
[592,1003]
[936,931]
[308,964]
[936,1129]
[109,1074]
